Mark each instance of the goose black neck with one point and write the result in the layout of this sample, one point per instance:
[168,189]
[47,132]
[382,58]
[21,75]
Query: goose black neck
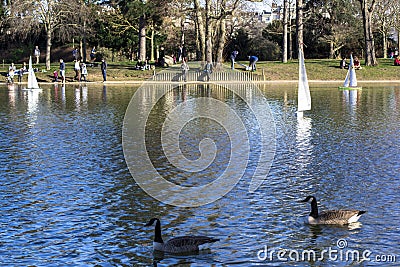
[157,232]
[314,208]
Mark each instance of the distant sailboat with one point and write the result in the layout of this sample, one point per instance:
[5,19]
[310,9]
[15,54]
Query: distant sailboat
[350,83]
[32,82]
[304,97]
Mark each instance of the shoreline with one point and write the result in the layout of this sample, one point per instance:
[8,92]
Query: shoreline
[311,82]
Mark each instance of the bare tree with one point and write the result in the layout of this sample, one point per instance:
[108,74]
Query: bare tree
[299,23]
[200,30]
[396,7]
[367,9]
[285,31]
[54,16]
[385,17]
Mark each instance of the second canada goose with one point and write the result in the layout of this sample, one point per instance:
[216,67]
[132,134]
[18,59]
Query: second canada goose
[182,244]
[331,216]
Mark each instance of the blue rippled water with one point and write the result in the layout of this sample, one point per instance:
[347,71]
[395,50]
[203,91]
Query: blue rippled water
[67,197]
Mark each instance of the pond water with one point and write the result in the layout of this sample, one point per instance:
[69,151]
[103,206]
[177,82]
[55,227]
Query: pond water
[67,197]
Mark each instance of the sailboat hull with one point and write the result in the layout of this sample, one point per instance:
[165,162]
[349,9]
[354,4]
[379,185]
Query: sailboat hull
[350,88]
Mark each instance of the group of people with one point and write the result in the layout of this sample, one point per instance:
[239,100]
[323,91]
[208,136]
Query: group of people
[356,63]
[208,67]
[252,61]
[80,69]
[12,71]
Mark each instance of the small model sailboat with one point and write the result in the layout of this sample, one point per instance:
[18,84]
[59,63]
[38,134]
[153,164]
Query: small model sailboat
[304,97]
[350,83]
[32,82]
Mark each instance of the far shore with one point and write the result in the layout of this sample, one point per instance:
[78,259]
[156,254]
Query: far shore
[277,82]
[319,71]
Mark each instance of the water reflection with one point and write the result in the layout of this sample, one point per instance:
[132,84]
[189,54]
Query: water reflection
[69,199]
[303,141]
[351,100]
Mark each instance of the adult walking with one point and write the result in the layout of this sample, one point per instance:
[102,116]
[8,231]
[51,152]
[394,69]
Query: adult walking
[77,69]
[104,69]
[185,69]
[93,54]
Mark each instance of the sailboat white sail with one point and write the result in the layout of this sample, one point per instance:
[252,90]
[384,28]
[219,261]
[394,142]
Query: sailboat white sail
[32,82]
[350,82]
[304,97]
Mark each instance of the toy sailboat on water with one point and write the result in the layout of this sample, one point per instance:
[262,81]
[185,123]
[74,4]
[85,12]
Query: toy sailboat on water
[350,83]
[32,82]
[304,97]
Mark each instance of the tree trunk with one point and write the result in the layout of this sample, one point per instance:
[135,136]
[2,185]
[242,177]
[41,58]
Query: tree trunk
[84,42]
[142,38]
[80,48]
[222,34]
[208,32]
[370,56]
[398,41]
[299,23]
[152,44]
[385,48]
[49,35]
[285,32]
[200,31]
[183,31]
[290,43]
[331,50]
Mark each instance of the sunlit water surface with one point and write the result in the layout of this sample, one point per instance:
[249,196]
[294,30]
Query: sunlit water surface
[67,197]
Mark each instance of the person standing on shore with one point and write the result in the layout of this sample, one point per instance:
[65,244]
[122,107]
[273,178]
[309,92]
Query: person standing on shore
[62,70]
[185,69]
[208,69]
[20,74]
[233,58]
[77,69]
[104,69]
[84,71]
[36,53]
[75,53]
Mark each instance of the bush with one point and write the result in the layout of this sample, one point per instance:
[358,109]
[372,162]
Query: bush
[265,49]
[103,52]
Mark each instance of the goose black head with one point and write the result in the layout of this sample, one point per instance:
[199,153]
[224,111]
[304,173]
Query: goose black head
[157,229]
[150,223]
[308,198]
[314,206]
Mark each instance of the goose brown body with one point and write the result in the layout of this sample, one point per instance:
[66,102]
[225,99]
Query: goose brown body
[182,244]
[342,217]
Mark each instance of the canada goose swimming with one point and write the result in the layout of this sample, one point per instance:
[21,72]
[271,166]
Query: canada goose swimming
[182,244]
[331,216]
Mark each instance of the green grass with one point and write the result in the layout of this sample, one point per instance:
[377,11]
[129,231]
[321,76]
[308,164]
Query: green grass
[317,69]
[327,69]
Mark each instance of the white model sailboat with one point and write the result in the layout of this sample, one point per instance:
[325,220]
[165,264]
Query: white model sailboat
[304,97]
[32,82]
[350,83]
